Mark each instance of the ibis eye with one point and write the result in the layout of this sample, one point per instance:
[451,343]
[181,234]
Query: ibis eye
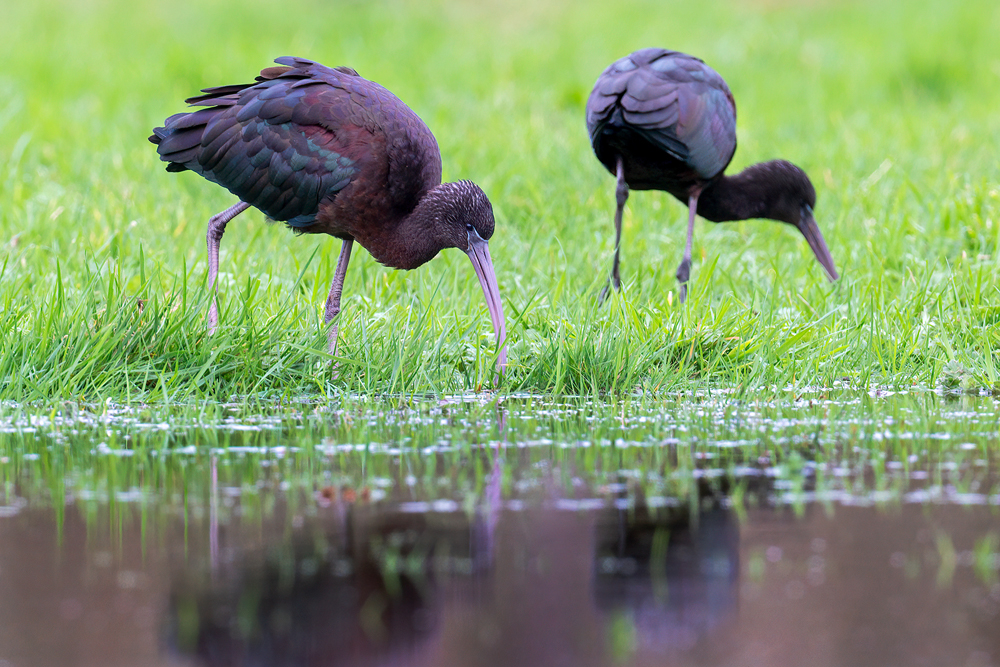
[469,227]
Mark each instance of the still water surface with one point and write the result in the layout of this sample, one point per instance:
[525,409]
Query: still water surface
[827,528]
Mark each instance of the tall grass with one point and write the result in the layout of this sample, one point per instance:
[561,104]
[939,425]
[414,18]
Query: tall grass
[891,107]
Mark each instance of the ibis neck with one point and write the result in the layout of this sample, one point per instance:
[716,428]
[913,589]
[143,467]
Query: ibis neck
[743,196]
[412,241]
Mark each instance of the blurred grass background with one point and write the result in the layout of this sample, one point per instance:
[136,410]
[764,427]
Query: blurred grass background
[890,106]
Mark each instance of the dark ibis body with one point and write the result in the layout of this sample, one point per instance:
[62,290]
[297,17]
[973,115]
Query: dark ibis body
[663,120]
[327,152]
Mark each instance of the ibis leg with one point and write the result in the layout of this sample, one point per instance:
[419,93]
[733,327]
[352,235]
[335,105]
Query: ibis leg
[684,270]
[333,301]
[216,228]
[621,196]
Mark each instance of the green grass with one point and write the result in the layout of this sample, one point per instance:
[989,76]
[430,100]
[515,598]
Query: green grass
[890,106]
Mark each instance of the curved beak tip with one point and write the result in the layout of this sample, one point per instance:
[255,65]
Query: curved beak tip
[479,254]
[810,230]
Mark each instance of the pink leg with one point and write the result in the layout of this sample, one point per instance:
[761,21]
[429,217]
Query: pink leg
[216,228]
[621,196]
[333,300]
[684,270]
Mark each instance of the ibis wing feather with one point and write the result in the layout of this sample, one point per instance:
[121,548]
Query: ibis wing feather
[298,136]
[282,144]
[665,101]
[179,140]
[674,101]
[707,126]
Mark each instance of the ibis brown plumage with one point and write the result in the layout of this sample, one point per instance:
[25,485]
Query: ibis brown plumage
[664,120]
[328,152]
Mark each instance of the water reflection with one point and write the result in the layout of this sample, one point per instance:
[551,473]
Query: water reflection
[703,530]
[548,586]
[361,590]
[667,577]
[606,586]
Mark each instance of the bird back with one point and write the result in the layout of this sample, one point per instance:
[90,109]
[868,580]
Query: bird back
[299,135]
[672,102]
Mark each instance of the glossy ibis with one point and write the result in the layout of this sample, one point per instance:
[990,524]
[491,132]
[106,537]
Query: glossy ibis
[327,152]
[663,120]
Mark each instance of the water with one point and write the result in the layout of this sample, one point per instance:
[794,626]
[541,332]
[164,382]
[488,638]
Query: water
[825,528]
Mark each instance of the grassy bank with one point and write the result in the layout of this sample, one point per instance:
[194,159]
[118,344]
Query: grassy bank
[890,106]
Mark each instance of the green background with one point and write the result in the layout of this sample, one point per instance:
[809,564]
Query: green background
[890,106]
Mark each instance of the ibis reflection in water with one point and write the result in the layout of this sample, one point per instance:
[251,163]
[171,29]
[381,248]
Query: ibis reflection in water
[533,586]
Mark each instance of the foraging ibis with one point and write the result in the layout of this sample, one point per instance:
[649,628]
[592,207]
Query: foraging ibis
[327,152]
[663,120]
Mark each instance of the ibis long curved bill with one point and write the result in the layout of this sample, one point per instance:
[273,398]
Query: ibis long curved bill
[479,254]
[807,225]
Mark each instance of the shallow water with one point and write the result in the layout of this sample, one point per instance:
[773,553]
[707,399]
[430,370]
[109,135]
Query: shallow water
[827,528]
